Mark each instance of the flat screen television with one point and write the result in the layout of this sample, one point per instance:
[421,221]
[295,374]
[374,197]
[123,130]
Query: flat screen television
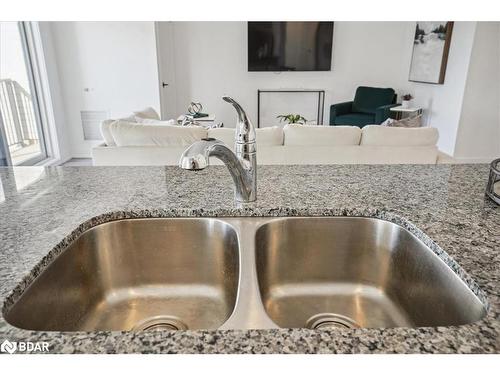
[289,46]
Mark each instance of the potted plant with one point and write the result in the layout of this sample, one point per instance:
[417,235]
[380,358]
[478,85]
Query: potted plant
[292,119]
[407,98]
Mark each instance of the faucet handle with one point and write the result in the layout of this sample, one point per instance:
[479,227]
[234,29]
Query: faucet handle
[245,131]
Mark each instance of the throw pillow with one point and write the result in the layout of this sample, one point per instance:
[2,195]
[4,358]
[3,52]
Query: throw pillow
[147,112]
[133,134]
[388,122]
[412,122]
[106,133]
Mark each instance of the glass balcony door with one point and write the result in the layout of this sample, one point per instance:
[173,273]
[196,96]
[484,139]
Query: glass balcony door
[22,140]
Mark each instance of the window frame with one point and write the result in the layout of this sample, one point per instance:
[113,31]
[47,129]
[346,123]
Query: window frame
[34,57]
[32,66]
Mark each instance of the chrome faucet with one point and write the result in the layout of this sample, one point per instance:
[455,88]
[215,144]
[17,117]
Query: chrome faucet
[242,163]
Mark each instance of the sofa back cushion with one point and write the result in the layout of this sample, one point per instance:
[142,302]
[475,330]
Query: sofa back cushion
[225,135]
[150,121]
[106,132]
[275,155]
[368,99]
[147,113]
[347,155]
[376,135]
[132,134]
[272,136]
[314,135]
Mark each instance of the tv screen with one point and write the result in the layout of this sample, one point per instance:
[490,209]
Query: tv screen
[289,46]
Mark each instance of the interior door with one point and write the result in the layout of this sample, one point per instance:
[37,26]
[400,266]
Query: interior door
[166,69]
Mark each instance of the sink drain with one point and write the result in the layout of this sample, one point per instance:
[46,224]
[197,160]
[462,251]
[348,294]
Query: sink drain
[330,320]
[160,323]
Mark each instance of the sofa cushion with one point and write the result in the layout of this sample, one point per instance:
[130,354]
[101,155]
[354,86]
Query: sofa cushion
[368,99]
[355,119]
[225,135]
[106,133]
[347,155]
[148,112]
[137,155]
[150,121]
[272,136]
[132,134]
[313,135]
[376,135]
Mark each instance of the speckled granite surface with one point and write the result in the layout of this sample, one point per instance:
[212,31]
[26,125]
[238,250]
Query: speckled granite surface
[40,207]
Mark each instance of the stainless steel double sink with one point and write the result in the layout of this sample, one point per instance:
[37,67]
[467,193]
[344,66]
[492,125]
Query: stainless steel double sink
[244,273]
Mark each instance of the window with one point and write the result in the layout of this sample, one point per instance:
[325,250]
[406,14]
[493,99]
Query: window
[21,128]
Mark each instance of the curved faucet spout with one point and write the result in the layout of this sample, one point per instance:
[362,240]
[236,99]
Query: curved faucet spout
[242,164]
[197,157]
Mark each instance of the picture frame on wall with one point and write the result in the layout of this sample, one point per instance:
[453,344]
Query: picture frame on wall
[431,45]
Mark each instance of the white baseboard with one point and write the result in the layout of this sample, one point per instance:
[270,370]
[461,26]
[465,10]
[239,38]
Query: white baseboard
[459,160]
[49,162]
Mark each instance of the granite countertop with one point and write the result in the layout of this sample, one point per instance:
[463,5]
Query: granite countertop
[40,207]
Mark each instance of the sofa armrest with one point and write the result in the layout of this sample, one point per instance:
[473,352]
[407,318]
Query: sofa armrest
[339,109]
[443,158]
[382,113]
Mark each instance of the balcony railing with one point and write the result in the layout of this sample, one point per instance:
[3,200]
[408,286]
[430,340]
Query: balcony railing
[18,116]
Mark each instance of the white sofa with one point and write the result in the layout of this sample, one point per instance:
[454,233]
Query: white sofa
[129,143]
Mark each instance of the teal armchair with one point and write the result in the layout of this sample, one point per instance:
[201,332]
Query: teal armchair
[371,105]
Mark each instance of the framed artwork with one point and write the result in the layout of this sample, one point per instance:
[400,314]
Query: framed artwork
[431,45]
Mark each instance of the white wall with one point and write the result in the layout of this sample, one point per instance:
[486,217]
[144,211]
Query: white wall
[443,103]
[478,136]
[211,60]
[115,61]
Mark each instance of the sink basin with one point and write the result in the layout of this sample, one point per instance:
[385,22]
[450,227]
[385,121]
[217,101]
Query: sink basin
[245,273]
[356,272]
[141,274]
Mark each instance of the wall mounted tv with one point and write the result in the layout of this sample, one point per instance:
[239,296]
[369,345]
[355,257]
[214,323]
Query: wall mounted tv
[289,46]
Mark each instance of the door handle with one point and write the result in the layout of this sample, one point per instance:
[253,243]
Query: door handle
[163,84]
